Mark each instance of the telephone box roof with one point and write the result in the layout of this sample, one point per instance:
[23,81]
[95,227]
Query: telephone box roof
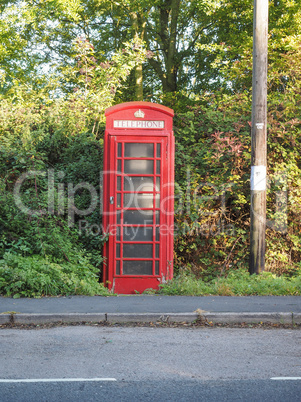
[135,105]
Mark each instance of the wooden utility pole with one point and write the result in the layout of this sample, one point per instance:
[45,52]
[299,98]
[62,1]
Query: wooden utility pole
[259,137]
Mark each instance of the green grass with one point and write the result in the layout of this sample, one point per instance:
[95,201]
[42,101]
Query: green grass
[237,283]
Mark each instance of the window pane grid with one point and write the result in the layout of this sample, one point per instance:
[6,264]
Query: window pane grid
[137,159]
[138,190]
[138,150]
[136,259]
[150,263]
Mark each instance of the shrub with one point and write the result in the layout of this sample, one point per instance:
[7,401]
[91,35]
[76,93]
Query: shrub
[35,276]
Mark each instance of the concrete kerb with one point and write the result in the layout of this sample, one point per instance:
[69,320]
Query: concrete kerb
[5,319]
[62,318]
[251,318]
[115,318]
[122,318]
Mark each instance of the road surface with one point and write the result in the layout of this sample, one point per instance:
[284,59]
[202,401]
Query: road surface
[150,364]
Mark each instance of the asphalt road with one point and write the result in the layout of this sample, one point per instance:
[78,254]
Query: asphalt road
[152,364]
[161,390]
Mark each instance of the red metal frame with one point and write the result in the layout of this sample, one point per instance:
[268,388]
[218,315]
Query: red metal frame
[115,279]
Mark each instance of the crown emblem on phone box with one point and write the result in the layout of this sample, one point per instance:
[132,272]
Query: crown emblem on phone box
[139,113]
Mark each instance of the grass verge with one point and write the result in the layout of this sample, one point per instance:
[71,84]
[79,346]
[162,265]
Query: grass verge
[237,283]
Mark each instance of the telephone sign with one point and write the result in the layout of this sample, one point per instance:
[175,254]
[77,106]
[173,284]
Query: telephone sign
[138,188]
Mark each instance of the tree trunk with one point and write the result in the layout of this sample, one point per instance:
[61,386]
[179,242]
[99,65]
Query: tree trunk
[139,28]
[171,67]
[166,69]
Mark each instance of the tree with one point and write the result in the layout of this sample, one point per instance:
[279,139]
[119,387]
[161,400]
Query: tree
[171,30]
[194,46]
[235,30]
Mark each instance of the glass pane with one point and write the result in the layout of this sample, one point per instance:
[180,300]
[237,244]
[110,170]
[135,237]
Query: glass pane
[157,217]
[137,267]
[138,200]
[157,234]
[157,250]
[118,183]
[157,200]
[138,217]
[137,250]
[142,166]
[117,267]
[158,150]
[157,268]
[158,184]
[118,200]
[117,250]
[138,183]
[131,233]
[158,168]
[119,149]
[138,150]
[118,217]
[119,165]
[118,233]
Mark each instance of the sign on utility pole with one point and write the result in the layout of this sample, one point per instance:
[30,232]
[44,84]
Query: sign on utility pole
[259,137]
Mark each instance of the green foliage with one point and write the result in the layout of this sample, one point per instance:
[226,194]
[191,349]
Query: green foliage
[212,173]
[213,170]
[51,144]
[36,276]
[186,285]
[194,46]
[62,63]
[238,283]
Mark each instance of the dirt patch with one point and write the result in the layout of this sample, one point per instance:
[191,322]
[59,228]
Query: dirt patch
[201,323]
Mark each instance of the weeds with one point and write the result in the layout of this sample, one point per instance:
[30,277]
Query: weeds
[237,283]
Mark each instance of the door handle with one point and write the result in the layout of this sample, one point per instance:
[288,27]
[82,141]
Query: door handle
[111,200]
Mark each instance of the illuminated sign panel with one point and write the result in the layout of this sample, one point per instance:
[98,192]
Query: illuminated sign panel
[148,124]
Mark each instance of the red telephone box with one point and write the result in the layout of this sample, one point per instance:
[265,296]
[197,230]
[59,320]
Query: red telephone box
[138,188]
